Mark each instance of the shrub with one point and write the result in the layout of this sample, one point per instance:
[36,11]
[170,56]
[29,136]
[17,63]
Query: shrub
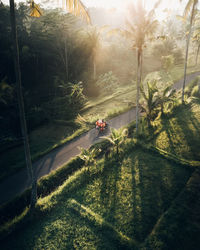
[46,185]
[167,62]
[36,117]
[107,82]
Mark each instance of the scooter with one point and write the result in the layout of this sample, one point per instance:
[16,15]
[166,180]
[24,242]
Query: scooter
[101,126]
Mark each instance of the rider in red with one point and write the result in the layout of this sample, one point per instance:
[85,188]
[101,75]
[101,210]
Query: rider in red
[100,124]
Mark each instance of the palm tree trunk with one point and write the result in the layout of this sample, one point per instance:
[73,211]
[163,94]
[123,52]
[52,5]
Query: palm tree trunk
[66,60]
[138,81]
[94,69]
[197,54]
[186,52]
[21,104]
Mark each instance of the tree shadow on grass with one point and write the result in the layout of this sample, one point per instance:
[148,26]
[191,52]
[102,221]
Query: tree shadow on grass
[108,193]
[191,136]
[155,184]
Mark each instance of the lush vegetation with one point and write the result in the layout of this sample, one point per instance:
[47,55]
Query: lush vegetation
[137,189]
[110,202]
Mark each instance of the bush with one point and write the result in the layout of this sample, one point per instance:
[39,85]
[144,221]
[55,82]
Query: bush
[189,88]
[196,91]
[45,186]
[167,62]
[36,117]
[107,82]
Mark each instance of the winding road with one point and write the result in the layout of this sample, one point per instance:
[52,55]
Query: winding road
[17,183]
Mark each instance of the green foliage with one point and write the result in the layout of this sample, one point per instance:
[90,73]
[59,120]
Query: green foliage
[118,203]
[167,62]
[107,203]
[165,48]
[46,185]
[88,156]
[156,100]
[107,82]
[116,138]
[51,47]
[151,100]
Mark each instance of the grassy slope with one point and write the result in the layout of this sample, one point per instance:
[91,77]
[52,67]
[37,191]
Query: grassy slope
[140,202]
[179,134]
[122,195]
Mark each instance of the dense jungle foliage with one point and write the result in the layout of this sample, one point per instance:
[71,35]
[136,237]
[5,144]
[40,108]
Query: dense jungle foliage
[54,53]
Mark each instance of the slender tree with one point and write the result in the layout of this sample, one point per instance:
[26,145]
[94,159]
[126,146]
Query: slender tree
[21,104]
[196,37]
[77,8]
[140,26]
[190,8]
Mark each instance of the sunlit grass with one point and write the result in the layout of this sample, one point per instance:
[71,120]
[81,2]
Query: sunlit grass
[118,201]
[179,133]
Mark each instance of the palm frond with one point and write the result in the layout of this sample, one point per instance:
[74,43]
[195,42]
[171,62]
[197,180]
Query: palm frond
[189,5]
[77,8]
[157,4]
[35,10]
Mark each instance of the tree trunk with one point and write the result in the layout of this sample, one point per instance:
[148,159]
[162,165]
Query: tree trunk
[138,81]
[94,64]
[186,52]
[197,54]
[66,61]
[21,104]
[94,69]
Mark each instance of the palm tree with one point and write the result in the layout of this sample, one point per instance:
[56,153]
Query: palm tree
[155,99]
[196,37]
[78,9]
[141,25]
[191,6]
[151,100]
[21,104]
[116,138]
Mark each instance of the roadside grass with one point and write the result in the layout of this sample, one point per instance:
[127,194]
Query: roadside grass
[179,226]
[47,137]
[173,75]
[179,132]
[110,205]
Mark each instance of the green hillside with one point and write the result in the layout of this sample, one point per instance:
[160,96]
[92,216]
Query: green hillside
[141,199]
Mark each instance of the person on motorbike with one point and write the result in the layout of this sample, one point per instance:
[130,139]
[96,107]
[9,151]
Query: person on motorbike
[101,124]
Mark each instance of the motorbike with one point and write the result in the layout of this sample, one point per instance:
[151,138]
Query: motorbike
[101,126]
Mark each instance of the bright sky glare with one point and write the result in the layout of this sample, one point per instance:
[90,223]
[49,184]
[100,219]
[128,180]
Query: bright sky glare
[121,5]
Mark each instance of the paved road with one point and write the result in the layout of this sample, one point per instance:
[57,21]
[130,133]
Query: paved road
[17,183]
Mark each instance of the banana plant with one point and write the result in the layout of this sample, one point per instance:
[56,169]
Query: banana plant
[116,138]
[151,100]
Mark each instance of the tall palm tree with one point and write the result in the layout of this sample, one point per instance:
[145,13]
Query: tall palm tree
[21,104]
[140,26]
[74,6]
[190,8]
[196,36]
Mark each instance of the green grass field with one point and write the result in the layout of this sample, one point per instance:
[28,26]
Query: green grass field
[140,200]
[126,199]
[179,133]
